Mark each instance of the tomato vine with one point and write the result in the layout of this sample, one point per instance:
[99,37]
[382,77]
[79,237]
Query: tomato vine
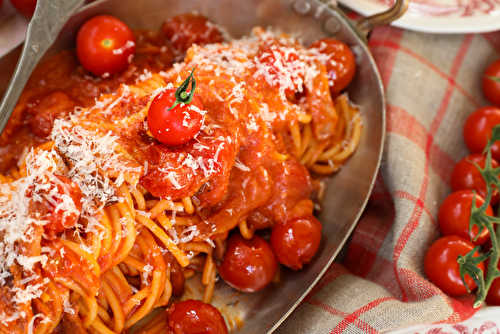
[469,263]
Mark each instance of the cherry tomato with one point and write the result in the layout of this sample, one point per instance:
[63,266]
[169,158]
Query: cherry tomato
[282,67]
[60,219]
[248,265]
[454,216]
[296,241]
[25,7]
[105,45]
[493,296]
[442,268]
[178,125]
[477,130]
[491,83]
[192,316]
[184,30]
[465,175]
[486,247]
[340,65]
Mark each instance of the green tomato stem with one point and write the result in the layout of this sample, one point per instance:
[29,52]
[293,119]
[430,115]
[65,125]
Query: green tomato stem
[181,94]
[491,270]
[468,263]
[497,79]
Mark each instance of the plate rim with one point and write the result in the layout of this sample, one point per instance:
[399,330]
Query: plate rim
[442,25]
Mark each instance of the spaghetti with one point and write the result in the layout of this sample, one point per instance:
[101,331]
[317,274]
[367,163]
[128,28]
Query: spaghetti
[102,224]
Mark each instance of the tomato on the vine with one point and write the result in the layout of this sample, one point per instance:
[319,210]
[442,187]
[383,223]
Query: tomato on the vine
[184,30]
[442,268]
[340,64]
[493,296]
[248,265]
[192,316]
[176,116]
[105,45]
[25,7]
[477,130]
[465,175]
[296,241]
[491,83]
[454,216]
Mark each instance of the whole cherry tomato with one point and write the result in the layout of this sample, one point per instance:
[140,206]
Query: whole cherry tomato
[184,30]
[491,83]
[282,67]
[442,268]
[454,216]
[105,45]
[493,296]
[465,175]
[60,219]
[192,316]
[177,125]
[296,241]
[340,64]
[477,130]
[25,7]
[248,265]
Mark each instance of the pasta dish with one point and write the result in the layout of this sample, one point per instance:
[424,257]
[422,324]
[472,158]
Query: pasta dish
[104,217]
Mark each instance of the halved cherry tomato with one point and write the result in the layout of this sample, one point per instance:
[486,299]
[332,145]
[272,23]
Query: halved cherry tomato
[491,83]
[442,268]
[465,175]
[105,45]
[477,130]
[296,241]
[454,216]
[283,68]
[184,30]
[192,316]
[340,65]
[178,125]
[25,7]
[59,218]
[248,265]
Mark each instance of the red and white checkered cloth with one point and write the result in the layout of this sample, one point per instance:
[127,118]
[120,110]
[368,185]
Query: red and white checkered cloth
[432,83]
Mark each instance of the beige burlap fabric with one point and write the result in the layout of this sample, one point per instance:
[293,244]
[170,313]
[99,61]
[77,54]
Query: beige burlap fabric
[433,82]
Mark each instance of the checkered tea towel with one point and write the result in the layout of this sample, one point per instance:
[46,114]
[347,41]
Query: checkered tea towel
[432,83]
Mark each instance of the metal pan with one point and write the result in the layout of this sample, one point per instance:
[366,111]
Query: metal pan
[347,191]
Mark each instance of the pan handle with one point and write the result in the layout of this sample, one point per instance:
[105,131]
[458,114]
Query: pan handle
[366,24]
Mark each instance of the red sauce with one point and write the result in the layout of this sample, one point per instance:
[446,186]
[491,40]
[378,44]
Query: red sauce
[241,166]
[271,186]
[60,84]
[184,30]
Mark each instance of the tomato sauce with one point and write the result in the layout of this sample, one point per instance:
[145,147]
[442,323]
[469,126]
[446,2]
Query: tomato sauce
[60,84]
[241,168]
[242,173]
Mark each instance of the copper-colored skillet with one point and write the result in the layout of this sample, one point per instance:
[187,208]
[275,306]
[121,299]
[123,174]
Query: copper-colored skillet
[347,191]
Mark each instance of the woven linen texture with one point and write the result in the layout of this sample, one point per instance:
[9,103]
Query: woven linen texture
[432,84]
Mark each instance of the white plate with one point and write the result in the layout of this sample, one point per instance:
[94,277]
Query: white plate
[438,16]
[485,321]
